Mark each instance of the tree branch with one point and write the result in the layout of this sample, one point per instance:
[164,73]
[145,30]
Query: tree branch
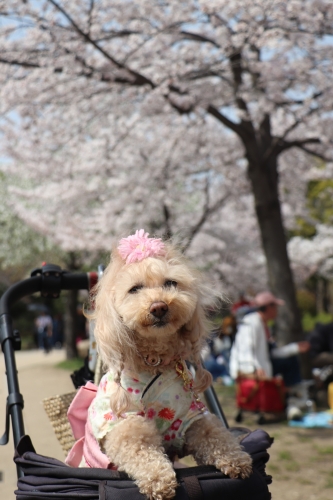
[223,119]
[91,8]
[299,143]
[298,101]
[314,153]
[207,212]
[244,129]
[202,73]
[117,34]
[167,217]
[138,78]
[24,64]
[297,122]
[198,38]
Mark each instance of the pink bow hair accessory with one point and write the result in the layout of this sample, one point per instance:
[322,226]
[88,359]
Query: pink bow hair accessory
[139,246]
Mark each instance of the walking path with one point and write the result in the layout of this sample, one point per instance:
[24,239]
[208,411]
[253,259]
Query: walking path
[38,378]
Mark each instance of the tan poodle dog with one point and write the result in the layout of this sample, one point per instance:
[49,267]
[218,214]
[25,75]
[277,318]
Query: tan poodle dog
[149,320]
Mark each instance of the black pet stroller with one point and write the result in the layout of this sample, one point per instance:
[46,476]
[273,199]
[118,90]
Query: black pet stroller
[41,477]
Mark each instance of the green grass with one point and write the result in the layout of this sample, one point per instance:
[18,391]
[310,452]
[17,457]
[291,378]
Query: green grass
[225,390]
[329,481]
[27,342]
[285,455]
[307,481]
[309,321]
[292,464]
[70,364]
[303,438]
[325,451]
[273,468]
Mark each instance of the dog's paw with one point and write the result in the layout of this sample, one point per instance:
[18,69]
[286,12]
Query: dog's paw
[159,488]
[239,466]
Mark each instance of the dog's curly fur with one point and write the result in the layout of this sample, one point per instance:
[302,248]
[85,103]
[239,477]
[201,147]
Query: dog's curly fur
[126,332]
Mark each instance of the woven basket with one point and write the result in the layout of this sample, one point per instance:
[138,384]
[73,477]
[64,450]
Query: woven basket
[56,409]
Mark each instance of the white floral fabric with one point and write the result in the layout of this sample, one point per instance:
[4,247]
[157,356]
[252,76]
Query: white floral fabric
[164,398]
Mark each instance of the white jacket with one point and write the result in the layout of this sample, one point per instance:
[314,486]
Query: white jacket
[250,349]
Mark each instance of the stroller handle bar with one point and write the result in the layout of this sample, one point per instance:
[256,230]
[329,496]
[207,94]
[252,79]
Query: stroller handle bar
[50,283]
[49,280]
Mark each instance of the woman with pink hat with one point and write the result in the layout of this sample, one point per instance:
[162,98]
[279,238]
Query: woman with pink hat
[254,351]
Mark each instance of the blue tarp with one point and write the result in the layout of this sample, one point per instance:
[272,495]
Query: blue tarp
[321,419]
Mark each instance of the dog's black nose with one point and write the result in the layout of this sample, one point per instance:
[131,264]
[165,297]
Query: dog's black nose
[158,309]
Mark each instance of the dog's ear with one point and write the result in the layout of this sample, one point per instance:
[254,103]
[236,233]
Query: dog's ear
[108,333]
[113,339]
[198,326]
[203,378]
[197,329]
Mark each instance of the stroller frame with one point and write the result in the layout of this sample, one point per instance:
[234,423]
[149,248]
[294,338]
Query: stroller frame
[50,280]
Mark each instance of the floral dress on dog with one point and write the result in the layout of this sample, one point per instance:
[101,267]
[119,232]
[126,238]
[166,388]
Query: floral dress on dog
[166,398]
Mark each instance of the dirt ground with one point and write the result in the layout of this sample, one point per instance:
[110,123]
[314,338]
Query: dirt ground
[301,460]
[38,378]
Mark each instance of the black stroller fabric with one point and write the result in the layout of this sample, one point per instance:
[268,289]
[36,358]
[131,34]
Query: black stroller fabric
[46,478]
[83,375]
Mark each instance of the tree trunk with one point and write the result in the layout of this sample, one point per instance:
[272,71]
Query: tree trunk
[71,324]
[264,180]
[71,314]
[330,295]
[262,151]
[322,296]
[279,273]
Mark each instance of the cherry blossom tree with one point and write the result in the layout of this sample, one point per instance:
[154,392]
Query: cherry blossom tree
[81,79]
[313,256]
[310,249]
[21,249]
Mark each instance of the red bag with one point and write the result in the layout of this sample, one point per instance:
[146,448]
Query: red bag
[261,395]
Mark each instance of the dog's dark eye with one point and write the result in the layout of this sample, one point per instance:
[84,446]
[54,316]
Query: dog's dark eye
[135,289]
[170,283]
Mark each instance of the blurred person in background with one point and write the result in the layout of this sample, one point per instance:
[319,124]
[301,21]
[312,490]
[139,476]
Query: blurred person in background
[58,331]
[321,345]
[216,355]
[44,328]
[255,353]
[240,303]
[321,355]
